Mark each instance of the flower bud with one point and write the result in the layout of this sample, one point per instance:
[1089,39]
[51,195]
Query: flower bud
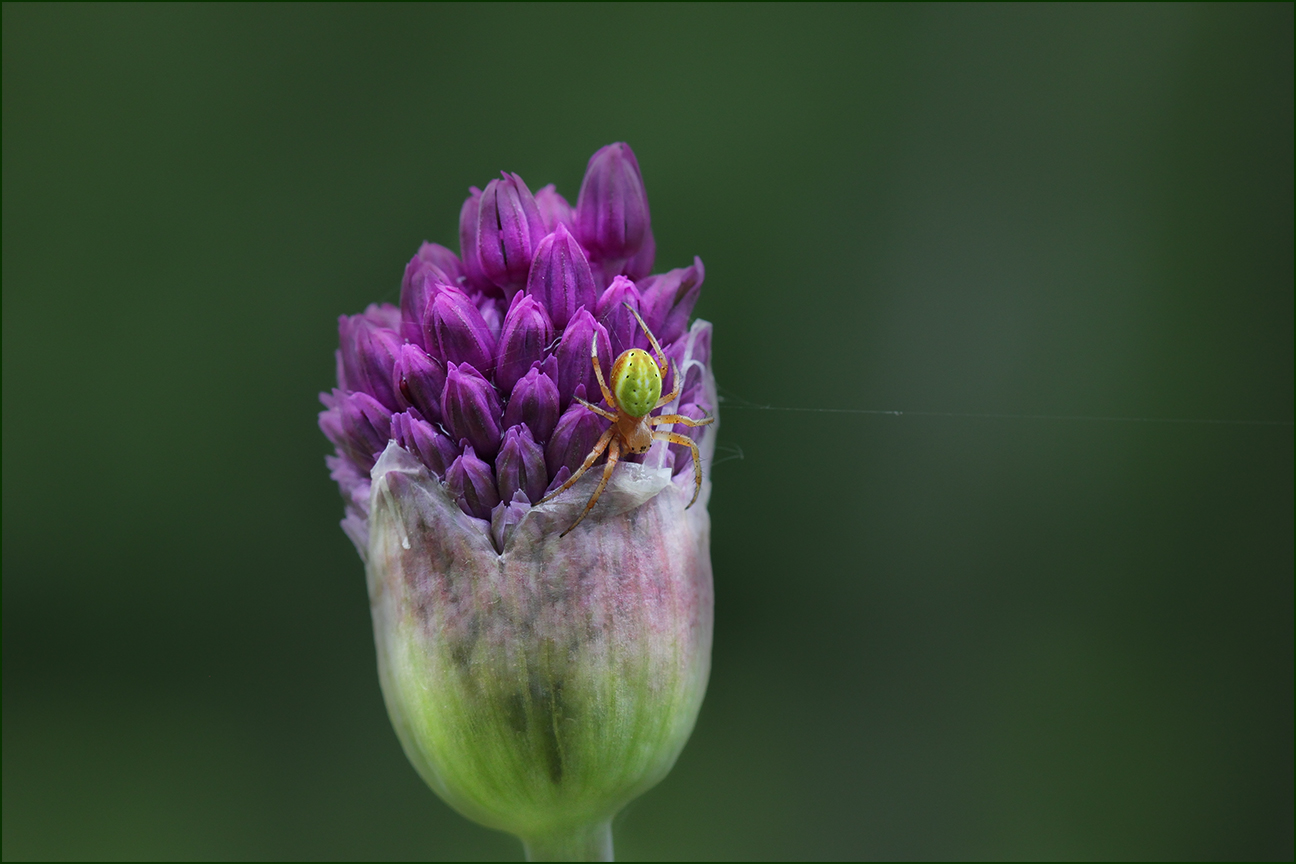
[612,218]
[577,431]
[470,409]
[668,300]
[368,353]
[684,456]
[445,261]
[505,517]
[357,424]
[552,680]
[419,380]
[520,466]
[554,209]
[523,340]
[534,401]
[574,366]
[469,480]
[411,431]
[642,263]
[620,323]
[560,277]
[474,277]
[455,331]
[509,228]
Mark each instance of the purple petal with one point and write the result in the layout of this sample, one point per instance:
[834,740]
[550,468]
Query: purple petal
[554,209]
[612,219]
[534,401]
[470,481]
[668,300]
[520,466]
[470,409]
[419,437]
[357,424]
[509,228]
[574,366]
[577,431]
[620,323]
[524,339]
[419,380]
[368,355]
[560,277]
[456,332]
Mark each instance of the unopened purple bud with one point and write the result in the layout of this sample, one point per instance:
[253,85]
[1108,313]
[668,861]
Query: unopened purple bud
[470,409]
[534,401]
[419,380]
[443,260]
[524,339]
[470,482]
[368,355]
[419,437]
[668,300]
[357,424]
[505,517]
[521,466]
[469,256]
[456,332]
[554,209]
[620,323]
[489,308]
[560,277]
[574,366]
[509,228]
[642,263]
[612,218]
[416,290]
[577,431]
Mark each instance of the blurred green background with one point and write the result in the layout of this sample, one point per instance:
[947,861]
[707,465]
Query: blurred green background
[936,637]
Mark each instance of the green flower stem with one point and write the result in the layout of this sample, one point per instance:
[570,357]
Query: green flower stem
[587,843]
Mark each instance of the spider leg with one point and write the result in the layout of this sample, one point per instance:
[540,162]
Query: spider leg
[661,358]
[675,438]
[614,453]
[599,447]
[675,391]
[597,410]
[662,419]
[598,373]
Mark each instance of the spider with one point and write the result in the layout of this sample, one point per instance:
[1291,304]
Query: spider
[636,386]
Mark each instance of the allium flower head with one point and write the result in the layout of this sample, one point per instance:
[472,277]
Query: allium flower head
[538,682]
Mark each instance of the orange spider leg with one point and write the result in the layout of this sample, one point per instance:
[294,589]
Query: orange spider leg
[676,438]
[614,453]
[598,373]
[661,357]
[662,419]
[597,410]
[599,447]
[675,391]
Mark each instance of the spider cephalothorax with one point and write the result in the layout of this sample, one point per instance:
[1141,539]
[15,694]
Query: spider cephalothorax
[635,393]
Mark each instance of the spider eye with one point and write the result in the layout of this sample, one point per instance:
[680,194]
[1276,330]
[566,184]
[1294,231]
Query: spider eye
[636,382]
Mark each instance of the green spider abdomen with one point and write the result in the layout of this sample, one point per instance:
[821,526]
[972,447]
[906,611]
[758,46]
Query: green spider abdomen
[636,382]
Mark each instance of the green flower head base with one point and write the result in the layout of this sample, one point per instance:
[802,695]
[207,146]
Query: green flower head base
[539,676]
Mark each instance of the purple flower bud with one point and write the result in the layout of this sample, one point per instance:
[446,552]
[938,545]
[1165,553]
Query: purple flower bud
[443,260]
[509,228]
[471,410]
[523,341]
[489,308]
[668,300]
[368,355]
[505,517]
[535,401]
[357,424]
[554,209]
[471,484]
[574,366]
[419,380]
[620,323]
[573,439]
[474,278]
[416,435]
[521,466]
[560,277]
[455,332]
[612,218]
